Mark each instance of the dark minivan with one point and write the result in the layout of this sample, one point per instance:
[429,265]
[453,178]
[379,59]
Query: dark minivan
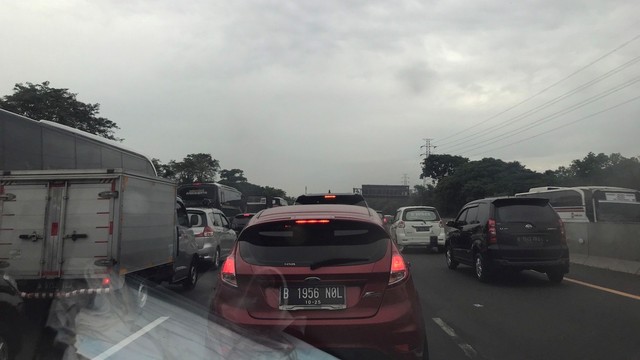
[508,233]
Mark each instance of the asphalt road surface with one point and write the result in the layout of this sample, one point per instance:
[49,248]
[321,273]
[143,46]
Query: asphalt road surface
[592,314]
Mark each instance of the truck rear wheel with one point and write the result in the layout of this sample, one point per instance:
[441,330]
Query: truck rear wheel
[216,259]
[192,276]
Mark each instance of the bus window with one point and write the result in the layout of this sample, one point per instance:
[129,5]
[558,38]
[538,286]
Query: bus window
[617,207]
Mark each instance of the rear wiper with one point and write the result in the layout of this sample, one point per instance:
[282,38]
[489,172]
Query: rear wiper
[336,261]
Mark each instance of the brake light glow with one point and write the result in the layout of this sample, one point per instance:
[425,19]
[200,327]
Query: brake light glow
[313,221]
[329,196]
[399,269]
[228,272]
[491,229]
[106,281]
[206,232]
[246,215]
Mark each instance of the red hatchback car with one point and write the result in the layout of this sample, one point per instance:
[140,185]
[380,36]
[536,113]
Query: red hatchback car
[327,274]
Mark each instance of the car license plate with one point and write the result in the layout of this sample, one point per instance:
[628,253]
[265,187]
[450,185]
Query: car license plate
[422,228]
[322,297]
[531,240]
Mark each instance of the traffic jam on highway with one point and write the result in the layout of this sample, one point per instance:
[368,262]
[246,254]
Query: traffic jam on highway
[116,262]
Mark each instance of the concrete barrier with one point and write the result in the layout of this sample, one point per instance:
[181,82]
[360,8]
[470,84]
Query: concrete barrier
[611,246]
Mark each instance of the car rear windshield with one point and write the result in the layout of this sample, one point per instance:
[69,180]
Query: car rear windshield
[420,215]
[289,243]
[534,212]
[343,199]
[197,218]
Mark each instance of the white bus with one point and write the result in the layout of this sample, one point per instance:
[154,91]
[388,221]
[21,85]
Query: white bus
[591,204]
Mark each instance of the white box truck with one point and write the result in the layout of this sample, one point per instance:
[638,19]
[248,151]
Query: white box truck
[79,213]
[71,232]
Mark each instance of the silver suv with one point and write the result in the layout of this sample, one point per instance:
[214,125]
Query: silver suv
[213,234]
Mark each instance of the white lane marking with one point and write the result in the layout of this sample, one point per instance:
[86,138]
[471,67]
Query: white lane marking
[117,347]
[466,348]
[446,328]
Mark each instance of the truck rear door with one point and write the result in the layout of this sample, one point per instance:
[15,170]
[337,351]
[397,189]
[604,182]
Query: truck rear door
[54,229]
[87,227]
[23,209]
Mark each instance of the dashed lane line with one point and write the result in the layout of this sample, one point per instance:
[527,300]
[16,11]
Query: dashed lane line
[616,292]
[131,338]
[466,348]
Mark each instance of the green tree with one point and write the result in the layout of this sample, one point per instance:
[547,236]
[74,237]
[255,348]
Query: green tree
[199,167]
[233,176]
[438,166]
[423,195]
[42,102]
[600,169]
[165,170]
[484,178]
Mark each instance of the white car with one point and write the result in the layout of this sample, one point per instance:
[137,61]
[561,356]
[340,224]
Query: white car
[213,234]
[418,226]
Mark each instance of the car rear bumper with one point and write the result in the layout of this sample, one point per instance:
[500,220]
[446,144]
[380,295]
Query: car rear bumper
[430,240]
[542,265]
[396,331]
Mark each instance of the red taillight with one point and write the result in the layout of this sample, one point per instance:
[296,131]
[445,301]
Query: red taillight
[441,224]
[313,221]
[106,281]
[228,272]
[491,229]
[329,196]
[206,232]
[247,215]
[400,225]
[399,269]
[563,234]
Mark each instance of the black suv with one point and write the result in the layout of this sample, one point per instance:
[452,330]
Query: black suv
[514,233]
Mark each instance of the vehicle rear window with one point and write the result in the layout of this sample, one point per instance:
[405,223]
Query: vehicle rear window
[197,219]
[277,244]
[526,213]
[331,199]
[420,215]
[618,211]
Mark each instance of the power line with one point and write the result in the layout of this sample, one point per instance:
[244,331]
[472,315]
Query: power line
[561,126]
[524,115]
[548,88]
[506,135]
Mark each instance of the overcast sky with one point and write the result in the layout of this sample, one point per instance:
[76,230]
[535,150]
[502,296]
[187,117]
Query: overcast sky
[336,94]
